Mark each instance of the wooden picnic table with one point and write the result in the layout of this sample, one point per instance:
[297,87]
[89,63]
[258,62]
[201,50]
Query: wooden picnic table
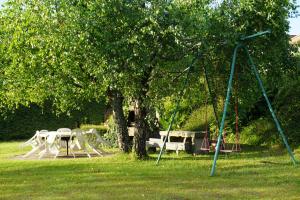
[180,134]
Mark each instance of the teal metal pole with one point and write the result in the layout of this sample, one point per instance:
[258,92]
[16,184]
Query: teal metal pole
[225,108]
[270,106]
[175,110]
[255,35]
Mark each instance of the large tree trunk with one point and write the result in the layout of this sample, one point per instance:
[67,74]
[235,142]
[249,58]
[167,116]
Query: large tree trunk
[116,100]
[139,141]
[140,110]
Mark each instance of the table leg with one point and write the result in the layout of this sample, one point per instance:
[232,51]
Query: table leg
[67,147]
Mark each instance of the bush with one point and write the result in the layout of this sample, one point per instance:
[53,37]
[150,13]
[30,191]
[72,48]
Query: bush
[167,111]
[287,102]
[111,133]
[197,122]
[101,129]
[258,132]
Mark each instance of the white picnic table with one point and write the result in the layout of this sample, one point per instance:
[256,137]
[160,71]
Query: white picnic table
[65,136]
[182,134]
[177,146]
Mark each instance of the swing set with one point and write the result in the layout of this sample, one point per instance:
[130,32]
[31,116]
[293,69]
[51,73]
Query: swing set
[221,143]
[207,144]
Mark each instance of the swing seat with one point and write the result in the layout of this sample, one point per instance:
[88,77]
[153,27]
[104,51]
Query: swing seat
[236,148]
[204,149]
[226,151]
[205,145]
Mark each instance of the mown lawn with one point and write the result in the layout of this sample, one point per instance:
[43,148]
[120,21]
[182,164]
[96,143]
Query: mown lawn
[250,175]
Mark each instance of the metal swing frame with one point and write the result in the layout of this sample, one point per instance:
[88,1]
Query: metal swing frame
[242,46]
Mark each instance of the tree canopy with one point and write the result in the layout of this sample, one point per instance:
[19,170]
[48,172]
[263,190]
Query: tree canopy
[72,51]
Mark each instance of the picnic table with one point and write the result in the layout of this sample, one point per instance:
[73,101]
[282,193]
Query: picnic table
[63,135]
[181,142]
[179,134]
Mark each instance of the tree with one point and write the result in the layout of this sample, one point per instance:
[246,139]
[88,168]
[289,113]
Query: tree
[81,50]
[47,55]
[138,44]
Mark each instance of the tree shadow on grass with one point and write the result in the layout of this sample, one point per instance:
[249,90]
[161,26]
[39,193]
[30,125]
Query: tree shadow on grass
[62,156]
[248,152]
[180,157]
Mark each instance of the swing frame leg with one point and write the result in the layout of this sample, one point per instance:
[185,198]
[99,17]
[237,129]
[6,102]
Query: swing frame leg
[229,88]
[280,131]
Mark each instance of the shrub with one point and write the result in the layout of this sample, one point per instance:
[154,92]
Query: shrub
[111,133]
[196,121]
[287,102]
[24,121]
[260,131]
[101,129]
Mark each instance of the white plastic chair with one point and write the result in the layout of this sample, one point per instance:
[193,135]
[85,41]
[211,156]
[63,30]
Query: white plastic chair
[78,142]
[96,143]
[51,145]
[36,142]
[99,139]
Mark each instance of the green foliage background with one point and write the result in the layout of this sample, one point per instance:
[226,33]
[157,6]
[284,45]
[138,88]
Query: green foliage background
[24,121]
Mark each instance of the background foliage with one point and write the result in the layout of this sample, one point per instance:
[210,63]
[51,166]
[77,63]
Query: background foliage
[24,121]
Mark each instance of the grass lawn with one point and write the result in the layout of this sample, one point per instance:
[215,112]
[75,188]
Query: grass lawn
[257,174]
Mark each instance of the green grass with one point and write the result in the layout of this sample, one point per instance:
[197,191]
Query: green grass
[257,174]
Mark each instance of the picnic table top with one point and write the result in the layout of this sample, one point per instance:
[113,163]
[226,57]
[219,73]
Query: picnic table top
[172,133]
[180,133]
